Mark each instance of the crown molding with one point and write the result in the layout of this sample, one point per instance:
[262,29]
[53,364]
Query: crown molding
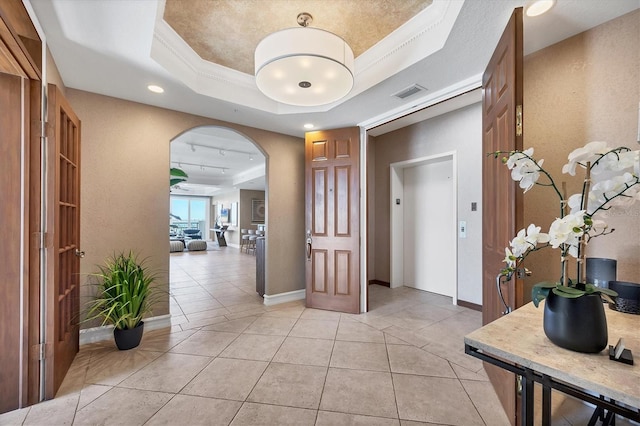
[418,38]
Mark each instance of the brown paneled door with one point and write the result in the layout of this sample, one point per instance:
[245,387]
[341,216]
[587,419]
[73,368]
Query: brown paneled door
[333,219]
[502,202]
[14,289]
[63,251]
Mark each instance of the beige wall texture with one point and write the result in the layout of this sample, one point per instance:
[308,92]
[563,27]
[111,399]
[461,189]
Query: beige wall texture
[246,202]
[459,131]
[586,88]
[125,194]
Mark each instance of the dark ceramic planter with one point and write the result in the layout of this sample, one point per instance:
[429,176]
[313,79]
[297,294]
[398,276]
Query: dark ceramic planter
[576,324]
[128,338]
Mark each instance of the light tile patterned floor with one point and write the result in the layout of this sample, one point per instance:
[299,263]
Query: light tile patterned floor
[228,359]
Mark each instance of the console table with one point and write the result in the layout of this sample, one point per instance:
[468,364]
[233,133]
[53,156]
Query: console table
[222,241]
[517,343]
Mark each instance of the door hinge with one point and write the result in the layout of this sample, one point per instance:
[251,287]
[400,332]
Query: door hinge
[39,352]
[37,240]
[519,120]
[48,240]
[36,128]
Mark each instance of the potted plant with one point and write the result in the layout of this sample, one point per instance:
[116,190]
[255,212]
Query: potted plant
[612,177]
[176,176]
[123,297]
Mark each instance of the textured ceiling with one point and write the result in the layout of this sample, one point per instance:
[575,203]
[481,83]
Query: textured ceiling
[226,32]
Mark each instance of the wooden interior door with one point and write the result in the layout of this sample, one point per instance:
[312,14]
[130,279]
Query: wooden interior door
[501,200]
[14,240]
[333,219]
[63,229]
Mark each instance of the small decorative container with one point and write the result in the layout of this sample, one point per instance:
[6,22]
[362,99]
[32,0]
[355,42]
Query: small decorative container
[600,271]
[628,300]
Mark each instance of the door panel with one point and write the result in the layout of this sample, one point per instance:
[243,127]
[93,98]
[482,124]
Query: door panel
[332,220]
[502,202]
[14,237]
[63,224]
[35,229]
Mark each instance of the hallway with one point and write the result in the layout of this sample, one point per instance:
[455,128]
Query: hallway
[228,359]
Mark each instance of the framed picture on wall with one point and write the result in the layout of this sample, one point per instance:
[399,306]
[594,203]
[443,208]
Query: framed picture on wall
[224,215]
[257,211]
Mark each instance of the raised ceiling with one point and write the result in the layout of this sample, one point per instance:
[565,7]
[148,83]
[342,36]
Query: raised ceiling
[226,32]
[117,48]
[217,159]
[389,38]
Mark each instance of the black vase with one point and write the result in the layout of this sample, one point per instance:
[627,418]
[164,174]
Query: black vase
[128,338]
[577,324]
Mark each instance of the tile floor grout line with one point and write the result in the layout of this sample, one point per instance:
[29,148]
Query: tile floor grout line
[324,383]
[393,385]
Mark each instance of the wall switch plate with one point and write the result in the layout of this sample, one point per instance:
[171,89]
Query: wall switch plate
[474,206]
[462,229]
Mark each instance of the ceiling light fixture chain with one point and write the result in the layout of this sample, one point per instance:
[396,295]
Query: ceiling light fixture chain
[304,19]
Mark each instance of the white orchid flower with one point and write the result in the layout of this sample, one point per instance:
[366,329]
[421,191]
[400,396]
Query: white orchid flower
[590,152]
[566,230]
[614,186]
[519,244]
[617,162]
[509,258]
[524,169]
[518,156]
[527,240]
[614,178]
[534,236]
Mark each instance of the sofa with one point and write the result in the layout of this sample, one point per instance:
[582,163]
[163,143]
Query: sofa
[192,233]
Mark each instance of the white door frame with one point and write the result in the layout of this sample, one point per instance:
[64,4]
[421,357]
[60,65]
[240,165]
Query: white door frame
[397,213]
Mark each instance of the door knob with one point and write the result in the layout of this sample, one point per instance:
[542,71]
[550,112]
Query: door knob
[79,253]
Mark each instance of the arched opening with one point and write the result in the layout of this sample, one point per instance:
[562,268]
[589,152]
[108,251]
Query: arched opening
[222,197]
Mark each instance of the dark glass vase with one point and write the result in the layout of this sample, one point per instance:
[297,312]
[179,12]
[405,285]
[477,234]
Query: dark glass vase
[128,338]
[577,324]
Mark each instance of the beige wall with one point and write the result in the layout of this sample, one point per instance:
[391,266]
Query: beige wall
[586,88]
[458,131]
[246,198]
[125,194]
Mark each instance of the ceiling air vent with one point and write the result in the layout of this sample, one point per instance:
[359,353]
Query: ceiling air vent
[409,91]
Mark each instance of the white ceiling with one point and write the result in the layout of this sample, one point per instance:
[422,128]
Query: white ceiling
[105,47]
[205,152]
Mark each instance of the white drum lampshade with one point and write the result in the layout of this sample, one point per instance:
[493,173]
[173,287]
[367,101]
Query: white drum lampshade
[304,67]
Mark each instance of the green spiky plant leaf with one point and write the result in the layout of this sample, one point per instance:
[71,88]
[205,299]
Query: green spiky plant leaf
[123,292]
[177,176]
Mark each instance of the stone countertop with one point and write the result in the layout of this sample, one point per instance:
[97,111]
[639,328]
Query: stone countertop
[519,338]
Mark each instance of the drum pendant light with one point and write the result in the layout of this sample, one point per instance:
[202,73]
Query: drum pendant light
[304,66]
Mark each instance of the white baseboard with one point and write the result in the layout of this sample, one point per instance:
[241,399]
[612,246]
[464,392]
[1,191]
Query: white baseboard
[289,296]
[98,334]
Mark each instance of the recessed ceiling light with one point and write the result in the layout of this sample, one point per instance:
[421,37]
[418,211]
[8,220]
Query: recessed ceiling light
[309,126]
[539,7]
[155,89]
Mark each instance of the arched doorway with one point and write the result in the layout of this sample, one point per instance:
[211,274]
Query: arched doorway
[220,163]
[210,276]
